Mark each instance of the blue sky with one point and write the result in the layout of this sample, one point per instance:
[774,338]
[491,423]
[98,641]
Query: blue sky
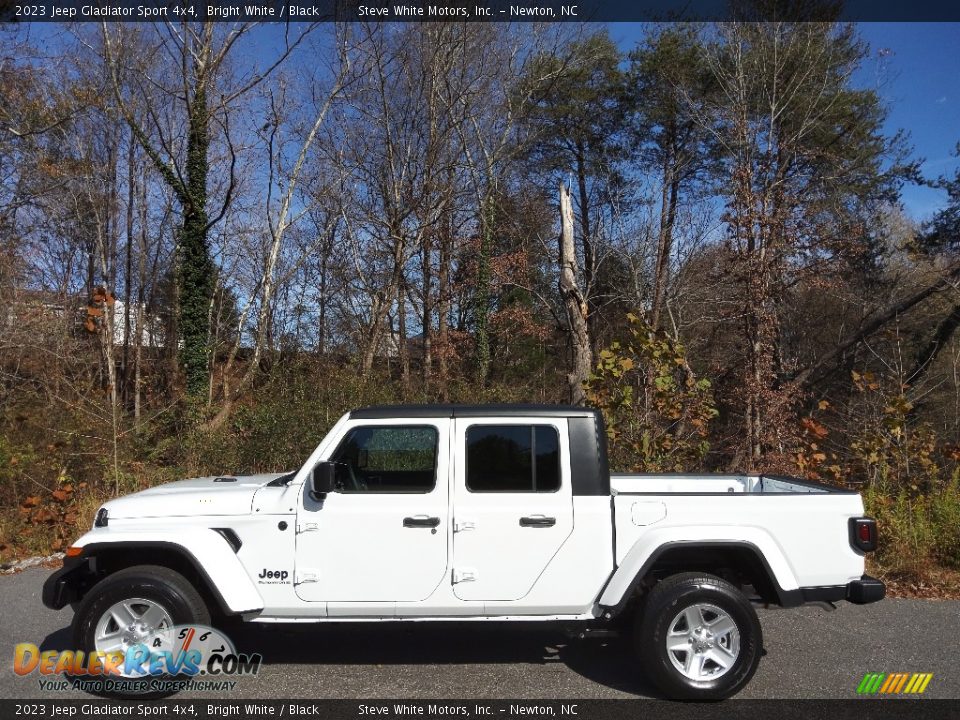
[918,76]
[922,88]
[915,67]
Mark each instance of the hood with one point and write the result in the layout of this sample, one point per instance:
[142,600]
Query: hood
[214,495]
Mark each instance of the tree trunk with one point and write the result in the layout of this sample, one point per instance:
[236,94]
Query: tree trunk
[195,271]
[587,237]
[141,300]
[128,273]
[322,316]
[668,212]
[574,303]
[482,297]
[402,350]
[427,316]
[443,306]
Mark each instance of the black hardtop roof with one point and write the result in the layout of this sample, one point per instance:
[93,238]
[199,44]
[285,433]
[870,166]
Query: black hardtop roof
[453,411]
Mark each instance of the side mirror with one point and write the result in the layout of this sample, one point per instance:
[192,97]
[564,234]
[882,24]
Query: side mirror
[322,478]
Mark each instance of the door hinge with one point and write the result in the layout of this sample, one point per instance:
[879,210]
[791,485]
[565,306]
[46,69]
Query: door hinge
[307,527]
[460,575]
[306,576]
[463,525]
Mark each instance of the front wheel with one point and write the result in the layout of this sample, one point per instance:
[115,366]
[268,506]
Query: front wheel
[133,608]
[698,637]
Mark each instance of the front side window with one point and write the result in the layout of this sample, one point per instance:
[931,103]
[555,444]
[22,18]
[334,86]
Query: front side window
[387,459]
[513,458]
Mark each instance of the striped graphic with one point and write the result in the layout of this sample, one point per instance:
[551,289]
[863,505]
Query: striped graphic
[894,683]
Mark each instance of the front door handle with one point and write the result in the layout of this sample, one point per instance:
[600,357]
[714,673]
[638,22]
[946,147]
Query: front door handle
[537,521]
[421,521]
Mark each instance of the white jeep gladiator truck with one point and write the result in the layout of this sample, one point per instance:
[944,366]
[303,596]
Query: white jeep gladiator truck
[476,513]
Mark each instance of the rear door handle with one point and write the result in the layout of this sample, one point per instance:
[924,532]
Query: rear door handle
[537,521]
[421,521]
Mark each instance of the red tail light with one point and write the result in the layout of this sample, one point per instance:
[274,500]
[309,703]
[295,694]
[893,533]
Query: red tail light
[863,534]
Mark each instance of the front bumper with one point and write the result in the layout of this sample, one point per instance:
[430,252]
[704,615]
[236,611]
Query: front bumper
[66,584]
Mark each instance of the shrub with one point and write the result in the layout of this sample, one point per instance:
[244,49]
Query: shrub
[657,412]
[946,522]
[909,477]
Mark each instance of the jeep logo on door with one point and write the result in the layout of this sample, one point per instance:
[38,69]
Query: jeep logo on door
[272,577]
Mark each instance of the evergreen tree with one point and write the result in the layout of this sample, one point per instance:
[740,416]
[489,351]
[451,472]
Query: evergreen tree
[577,126]
[670,84]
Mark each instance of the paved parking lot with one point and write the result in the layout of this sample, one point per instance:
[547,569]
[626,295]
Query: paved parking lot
[810,653]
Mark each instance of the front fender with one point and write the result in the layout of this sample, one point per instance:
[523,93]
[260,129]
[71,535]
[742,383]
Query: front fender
[654,542]
[206,550]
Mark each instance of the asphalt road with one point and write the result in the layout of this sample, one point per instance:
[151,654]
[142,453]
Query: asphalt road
[810,653]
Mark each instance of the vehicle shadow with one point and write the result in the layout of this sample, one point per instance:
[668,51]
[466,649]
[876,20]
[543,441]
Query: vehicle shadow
[61,639]
[608,662]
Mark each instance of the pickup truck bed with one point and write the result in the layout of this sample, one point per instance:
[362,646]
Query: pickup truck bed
[778,519]
[680,484]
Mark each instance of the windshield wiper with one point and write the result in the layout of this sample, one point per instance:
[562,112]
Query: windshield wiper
[282,480]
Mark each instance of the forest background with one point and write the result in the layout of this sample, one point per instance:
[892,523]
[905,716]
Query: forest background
[217,238]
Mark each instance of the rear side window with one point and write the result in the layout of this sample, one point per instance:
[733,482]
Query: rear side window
[513,458]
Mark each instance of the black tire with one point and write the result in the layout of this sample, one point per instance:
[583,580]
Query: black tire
[152,582]
[665,602]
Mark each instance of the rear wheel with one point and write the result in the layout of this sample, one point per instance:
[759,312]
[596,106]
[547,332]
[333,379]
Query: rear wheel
[699,637]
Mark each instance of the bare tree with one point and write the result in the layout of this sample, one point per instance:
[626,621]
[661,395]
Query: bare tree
[282,215]
[199,54]
[397,137]
[574,302]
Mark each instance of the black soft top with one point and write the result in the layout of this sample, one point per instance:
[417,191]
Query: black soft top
[453,410]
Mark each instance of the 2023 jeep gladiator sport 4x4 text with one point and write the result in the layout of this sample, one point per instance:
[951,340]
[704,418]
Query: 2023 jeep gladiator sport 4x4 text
[475,513]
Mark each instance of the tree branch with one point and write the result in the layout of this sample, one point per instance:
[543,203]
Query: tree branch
[810,374]
[940,338]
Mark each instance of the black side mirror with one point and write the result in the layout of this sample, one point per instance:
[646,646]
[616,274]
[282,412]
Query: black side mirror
[322,478]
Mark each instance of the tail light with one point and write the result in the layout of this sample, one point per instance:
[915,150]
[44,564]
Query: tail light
[863,534]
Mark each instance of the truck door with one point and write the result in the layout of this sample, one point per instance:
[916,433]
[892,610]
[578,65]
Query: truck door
[513,504]
[382,535]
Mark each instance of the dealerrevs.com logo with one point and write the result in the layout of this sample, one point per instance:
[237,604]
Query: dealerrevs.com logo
[182,657]
[894,683]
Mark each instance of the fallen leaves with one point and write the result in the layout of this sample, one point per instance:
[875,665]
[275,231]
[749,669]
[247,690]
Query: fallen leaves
[932,584]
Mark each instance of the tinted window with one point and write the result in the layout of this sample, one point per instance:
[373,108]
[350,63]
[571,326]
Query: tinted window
[387,459]
[513,458]
[547,445]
